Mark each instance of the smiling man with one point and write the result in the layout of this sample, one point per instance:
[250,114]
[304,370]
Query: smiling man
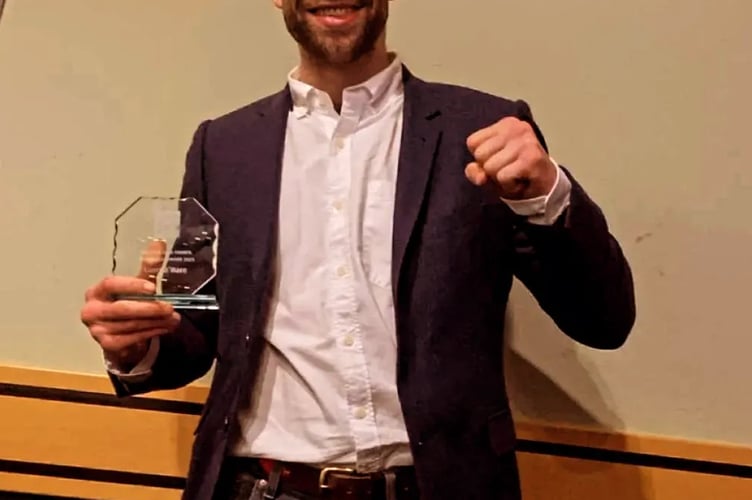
[372,224]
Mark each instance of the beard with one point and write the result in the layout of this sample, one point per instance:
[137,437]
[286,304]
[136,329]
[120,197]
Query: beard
[334,46]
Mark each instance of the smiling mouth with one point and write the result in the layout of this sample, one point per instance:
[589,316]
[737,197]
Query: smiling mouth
[335,10]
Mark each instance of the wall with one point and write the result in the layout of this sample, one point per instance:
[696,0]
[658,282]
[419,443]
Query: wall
[645,101]
[77,454]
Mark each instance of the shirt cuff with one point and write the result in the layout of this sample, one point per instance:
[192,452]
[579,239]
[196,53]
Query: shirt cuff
[142,370]
[545,210]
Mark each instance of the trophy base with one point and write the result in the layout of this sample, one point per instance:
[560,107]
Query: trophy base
[189,302]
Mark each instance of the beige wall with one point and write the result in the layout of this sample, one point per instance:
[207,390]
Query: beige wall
[646,101]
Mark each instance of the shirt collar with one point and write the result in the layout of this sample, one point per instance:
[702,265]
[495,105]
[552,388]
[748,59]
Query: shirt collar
[379,89]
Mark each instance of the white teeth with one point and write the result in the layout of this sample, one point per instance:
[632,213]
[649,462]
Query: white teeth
[335,11]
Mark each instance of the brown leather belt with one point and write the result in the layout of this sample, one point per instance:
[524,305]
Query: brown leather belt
[342,483]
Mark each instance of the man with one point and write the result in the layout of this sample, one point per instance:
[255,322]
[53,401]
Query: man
[371,225]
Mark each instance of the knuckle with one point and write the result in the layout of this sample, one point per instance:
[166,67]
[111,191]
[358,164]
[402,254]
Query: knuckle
[84,315]
[501,177]
[88,313]
[109,283]
[109,343]
[99,332]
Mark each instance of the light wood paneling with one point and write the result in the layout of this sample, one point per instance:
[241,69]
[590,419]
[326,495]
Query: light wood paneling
[42,485]
[639,443]
[158,442]
[95,436]
[91,383]
[557,478]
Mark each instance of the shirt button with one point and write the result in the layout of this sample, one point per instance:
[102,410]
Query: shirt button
[360,413]
[349,341]
[339,143]
[342,271]
[338,205]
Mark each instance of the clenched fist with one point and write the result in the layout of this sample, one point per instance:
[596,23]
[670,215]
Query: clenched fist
[509,155]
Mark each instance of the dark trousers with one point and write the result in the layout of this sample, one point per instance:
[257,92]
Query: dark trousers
[247,481]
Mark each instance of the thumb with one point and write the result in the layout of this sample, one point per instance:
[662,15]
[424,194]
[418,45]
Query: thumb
[152,259]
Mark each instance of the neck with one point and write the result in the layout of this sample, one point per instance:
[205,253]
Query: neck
[335,78]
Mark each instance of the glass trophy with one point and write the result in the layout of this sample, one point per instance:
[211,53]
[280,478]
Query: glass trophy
[171,242]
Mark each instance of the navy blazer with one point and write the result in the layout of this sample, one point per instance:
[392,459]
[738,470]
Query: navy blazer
[456,249]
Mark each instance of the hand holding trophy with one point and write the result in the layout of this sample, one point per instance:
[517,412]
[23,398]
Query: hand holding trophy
[164,253]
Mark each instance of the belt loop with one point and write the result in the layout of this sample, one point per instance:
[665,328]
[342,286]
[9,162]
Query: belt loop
[273,484]
[390,484]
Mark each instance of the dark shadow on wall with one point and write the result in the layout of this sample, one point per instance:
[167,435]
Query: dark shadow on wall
[534,395]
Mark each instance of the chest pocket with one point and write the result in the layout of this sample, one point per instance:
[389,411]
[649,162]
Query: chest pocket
[376,240]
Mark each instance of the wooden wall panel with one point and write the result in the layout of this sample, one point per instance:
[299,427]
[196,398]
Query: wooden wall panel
[41,485]
[561,478]
[118,439]
[66,434]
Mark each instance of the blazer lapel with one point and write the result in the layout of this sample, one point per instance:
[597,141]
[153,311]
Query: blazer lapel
[421,136]
[263,156]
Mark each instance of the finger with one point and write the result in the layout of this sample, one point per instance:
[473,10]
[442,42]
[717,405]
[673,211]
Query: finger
[119,285]
[475,174]
[509,127]
[128,327]
[152,259]
[137,309]
[490,147]
[115,343]
[479,137]
[96,311]
[502,158]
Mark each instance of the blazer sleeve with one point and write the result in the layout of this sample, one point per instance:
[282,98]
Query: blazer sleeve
[187,353]
[577,270]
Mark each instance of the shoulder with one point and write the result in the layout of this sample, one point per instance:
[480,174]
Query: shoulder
[240,119]
[468,109]
[462,102]
[455,95]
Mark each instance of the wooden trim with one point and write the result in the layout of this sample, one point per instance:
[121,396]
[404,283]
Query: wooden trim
[90,383]
[67,434]
[42,485]
[635,443]
[560,478]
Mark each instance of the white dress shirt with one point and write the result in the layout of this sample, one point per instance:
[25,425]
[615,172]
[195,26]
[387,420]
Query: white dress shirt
[326,391]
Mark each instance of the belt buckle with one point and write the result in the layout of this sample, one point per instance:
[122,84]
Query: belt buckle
[324,474]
